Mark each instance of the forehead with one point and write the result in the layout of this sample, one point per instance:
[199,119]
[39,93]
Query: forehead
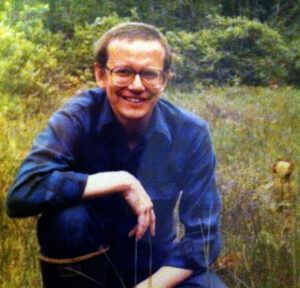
[136,53]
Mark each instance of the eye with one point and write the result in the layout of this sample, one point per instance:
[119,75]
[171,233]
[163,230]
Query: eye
[123,72]
[150,74]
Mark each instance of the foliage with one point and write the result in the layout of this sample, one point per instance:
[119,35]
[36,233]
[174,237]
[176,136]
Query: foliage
[225,51]
[248,137]
[231,51]
[18,247]
[59,15]
[172,15]
[65,15]
[251,128]
[33,16]
[46,54]
[24,48]
[294,65]
[68,62]
[78,58]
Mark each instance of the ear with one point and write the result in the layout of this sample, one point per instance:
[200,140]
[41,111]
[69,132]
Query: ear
[100,76]
[163,87]
[168,77]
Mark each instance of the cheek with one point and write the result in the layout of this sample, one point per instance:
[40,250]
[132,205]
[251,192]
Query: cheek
[112,94]
[154,99]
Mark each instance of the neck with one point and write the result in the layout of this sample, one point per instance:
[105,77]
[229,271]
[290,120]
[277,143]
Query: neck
[134,131]
[134,127]
[134,134]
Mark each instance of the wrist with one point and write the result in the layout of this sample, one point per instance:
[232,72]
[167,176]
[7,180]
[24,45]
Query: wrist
[167,277]
[125,179]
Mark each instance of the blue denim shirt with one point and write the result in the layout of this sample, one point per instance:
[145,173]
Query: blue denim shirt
[174,158]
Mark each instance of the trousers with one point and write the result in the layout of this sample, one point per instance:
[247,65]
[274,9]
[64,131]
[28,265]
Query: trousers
[81,229]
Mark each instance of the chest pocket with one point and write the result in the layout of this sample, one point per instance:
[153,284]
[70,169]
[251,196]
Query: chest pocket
[164,181]
[162,188]
[166,190]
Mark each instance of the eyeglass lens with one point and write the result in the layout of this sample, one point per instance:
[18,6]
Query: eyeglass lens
[124,76]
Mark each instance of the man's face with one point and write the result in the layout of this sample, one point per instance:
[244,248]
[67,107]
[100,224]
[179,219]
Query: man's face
[135,102]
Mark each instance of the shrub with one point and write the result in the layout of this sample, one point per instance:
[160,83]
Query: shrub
[20,71]
[39,64]
[28,54]
[294,70]
[78,58]
[229,51]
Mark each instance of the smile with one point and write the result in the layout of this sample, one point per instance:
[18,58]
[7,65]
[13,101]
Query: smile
[135,100]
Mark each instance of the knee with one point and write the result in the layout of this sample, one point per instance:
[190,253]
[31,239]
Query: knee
[203,280]
[68,221]
[70,232]
[212,280]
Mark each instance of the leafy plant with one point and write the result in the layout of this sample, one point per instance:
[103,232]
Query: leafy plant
[231,51]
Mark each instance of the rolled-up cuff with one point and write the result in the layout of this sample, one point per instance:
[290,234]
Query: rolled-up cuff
[68,187]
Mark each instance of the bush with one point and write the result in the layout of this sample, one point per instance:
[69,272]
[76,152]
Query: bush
[28,55]
[295,63]
[229,51]
[38,64]
[78,58]
[23,67]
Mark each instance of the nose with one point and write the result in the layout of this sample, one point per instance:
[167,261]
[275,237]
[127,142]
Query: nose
[137,84]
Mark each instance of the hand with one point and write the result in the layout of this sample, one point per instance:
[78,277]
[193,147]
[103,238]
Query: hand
[146,284]
[106,183]
[166,277]
[142,206]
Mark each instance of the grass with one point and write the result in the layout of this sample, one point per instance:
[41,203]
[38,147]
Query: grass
[251,129]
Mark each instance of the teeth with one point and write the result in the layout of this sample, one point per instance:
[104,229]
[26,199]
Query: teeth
[134,100]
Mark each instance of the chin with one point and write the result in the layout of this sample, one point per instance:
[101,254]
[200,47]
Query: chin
[136,117]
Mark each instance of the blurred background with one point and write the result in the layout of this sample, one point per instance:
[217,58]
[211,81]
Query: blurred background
[236,64]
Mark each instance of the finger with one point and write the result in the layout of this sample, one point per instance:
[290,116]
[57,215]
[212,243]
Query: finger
[132,232]
[143,224]
[152,222]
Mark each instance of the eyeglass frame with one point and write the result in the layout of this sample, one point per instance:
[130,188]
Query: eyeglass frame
[162,75]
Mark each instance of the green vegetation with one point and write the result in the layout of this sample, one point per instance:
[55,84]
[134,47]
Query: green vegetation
[46,56]
[251,129]
[221,51]
[231,51]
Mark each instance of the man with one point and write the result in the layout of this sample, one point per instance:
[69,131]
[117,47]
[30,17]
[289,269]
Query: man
[108,170]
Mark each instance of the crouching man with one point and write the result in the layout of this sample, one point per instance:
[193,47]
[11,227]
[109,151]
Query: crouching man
[108,170]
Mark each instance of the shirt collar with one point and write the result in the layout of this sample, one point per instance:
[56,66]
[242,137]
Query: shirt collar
[158,124]
[106,116]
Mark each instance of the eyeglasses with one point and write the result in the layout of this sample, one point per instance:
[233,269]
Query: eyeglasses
[124,76]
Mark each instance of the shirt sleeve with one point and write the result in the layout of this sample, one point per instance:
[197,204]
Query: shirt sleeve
[198,210]
[46,179]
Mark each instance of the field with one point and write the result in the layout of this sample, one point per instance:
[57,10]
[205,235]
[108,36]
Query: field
[251,128]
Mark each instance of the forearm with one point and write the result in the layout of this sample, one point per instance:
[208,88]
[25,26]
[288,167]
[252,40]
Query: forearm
[166,277]
[33,193]
[105,183]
